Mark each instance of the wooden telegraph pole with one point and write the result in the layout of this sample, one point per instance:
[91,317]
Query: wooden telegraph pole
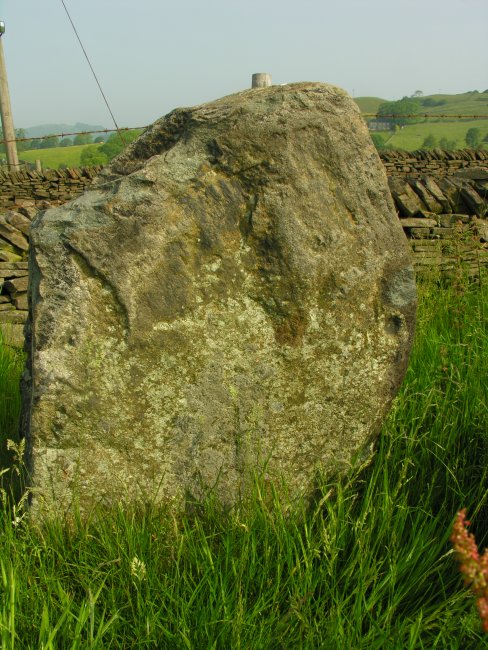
[6,111]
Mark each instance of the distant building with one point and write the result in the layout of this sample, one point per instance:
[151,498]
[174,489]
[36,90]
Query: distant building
[381,125]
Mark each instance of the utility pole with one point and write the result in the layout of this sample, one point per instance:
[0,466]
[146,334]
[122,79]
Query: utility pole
[6,111]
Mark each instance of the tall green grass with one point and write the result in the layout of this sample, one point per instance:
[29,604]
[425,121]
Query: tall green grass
[367,565]
[54,157]
[11,366]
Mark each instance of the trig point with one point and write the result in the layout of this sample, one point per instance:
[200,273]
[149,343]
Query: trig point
[261,80]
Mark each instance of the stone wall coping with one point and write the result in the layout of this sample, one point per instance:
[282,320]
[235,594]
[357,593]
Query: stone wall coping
[49,174]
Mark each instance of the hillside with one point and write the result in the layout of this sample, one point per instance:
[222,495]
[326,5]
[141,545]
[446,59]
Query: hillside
[48,129]
[470,103]
[369,104]
[451,130]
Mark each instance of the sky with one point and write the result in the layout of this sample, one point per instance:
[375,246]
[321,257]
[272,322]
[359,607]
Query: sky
[151,56]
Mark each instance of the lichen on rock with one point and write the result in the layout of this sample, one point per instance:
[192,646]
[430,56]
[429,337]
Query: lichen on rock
[233,293]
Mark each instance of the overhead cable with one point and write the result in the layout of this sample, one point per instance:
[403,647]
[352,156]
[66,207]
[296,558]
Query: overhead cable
[93,71]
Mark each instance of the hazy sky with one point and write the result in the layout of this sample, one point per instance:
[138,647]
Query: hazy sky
[152,56]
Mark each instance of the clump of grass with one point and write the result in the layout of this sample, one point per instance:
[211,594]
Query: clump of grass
[11,367]
[367,565]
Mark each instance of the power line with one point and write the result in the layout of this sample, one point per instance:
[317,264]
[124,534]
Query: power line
[63,135]
[93,71]
[141,128]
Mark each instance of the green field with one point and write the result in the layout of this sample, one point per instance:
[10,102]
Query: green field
[412,136]
[369,566]
[52,158]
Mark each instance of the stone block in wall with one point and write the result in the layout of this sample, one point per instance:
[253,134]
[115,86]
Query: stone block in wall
[480,227]
[16,285]
[431,186]
[453,195]
[41,194]
[28,209]
[428,257]
[7,202]
[20,301]
[406,200]
[433,205]
[473,255]
[8,272]
[13,235]
[449,220]
[443,233]
[12,334]
[426,261]
[8,256]
[427,245]
[420,233]
[6,306]
[482,188]
[7,247]
[18,221]
[420,222]
[17,266]
[475,202]
[14,317]
[473,173]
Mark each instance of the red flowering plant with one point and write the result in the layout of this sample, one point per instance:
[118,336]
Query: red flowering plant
[473,567]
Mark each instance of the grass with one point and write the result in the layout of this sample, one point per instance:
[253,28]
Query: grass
[11,366]
[369,104]
[52,158]
[368,565]
[412,136]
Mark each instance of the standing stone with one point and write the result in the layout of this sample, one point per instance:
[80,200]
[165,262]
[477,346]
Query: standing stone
[234,292]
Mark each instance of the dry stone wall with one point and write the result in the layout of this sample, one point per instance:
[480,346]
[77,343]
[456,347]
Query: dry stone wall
[435,162]
[14,246]
[22,195]
[445,219]
[51,185]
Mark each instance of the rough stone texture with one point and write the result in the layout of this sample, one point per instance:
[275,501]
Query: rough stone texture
[235,291]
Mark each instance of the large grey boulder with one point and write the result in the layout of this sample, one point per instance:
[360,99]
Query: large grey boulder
[235,292]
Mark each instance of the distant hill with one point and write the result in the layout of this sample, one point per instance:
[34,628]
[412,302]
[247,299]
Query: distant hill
[49,129]
[449,133]
[470,103]
[369,104]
